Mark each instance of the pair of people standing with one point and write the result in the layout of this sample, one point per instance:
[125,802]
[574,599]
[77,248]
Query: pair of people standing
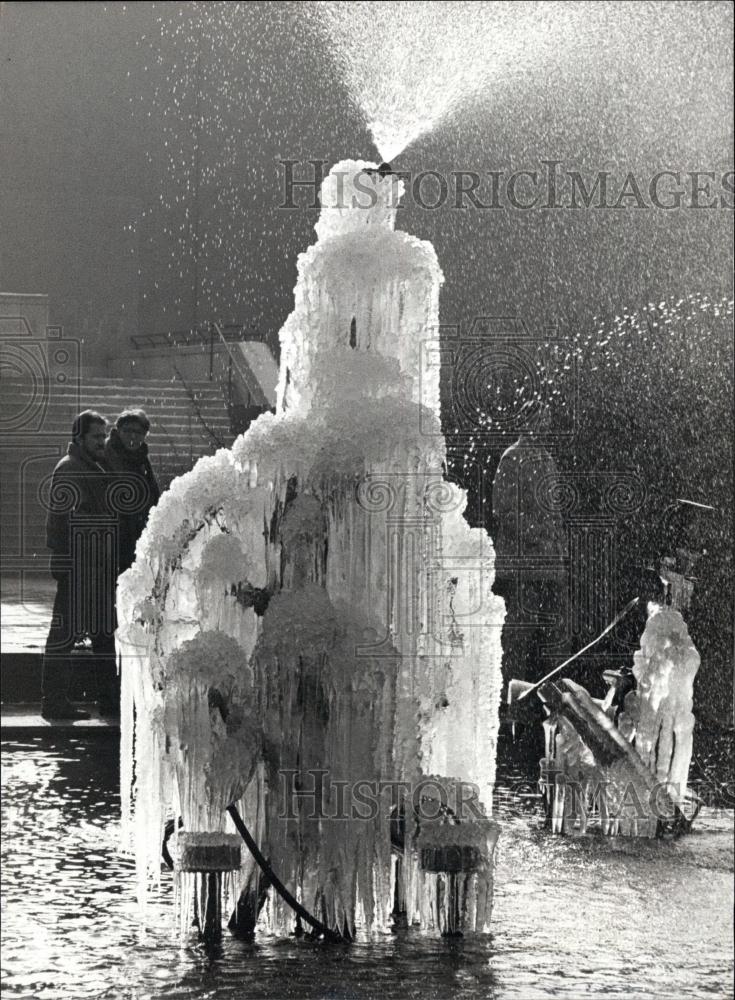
[100,497]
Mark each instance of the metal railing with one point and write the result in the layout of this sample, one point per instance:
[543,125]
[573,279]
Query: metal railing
[198,336]
[210,338]
[215,438]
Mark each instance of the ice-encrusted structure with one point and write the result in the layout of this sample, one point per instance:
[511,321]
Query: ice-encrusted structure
[658,715]
[637,786]
[311,606]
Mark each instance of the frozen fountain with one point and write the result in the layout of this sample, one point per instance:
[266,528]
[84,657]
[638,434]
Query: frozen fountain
[310,634]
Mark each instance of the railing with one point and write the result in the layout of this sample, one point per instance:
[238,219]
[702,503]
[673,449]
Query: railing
[210,338]
[232,363]
[196,336]
[216,439]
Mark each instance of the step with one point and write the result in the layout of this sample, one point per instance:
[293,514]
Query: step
[160,405]
[60,420]
[133,383]
[20,675]
[147,389]
[159,412]
[27,717]
[160,430]
[159,436]
[131,396]
[63,395]
[188,422]
[165,437]
[27,602]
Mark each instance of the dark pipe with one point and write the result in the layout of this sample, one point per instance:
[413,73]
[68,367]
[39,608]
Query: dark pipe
[212,931]
[167,834]
[276,882]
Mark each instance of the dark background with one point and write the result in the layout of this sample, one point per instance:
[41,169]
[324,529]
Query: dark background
[139,138]
[141,185]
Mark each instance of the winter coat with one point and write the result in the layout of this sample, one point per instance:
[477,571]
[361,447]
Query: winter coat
[136,492]
[80,490]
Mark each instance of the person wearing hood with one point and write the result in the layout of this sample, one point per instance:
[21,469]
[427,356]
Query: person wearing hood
[126,454]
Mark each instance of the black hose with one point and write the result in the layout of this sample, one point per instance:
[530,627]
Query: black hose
[168,833]
[280,888]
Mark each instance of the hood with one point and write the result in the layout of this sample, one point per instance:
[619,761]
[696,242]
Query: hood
[115,446]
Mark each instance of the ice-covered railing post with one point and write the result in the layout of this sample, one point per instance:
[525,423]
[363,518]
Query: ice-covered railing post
[311,621]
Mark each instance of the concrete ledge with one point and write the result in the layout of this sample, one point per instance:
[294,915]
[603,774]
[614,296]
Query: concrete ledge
[28,716]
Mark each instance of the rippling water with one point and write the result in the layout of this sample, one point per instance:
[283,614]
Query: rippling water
[573,918]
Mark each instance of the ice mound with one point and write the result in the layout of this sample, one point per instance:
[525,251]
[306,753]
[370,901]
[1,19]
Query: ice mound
[658,714]
[641,788]
[312,602]
[354,197]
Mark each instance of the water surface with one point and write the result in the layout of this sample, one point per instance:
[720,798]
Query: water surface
[573,918]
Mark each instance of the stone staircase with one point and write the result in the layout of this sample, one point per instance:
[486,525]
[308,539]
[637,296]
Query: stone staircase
[187,421]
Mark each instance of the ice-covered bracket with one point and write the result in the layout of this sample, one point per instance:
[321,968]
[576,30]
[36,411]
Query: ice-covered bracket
[313,601]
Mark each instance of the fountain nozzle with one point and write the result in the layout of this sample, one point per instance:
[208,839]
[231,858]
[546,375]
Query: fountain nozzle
[382,171]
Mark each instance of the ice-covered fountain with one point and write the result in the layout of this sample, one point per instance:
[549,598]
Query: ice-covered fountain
[309,632]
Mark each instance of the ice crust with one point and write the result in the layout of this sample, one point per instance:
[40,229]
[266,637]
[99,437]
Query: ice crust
[658,714]
[377,658]
[657,720]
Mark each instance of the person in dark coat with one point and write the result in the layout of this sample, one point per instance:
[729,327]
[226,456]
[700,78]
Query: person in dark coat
[81,532]
[528,536]
[529,541]
[126,454]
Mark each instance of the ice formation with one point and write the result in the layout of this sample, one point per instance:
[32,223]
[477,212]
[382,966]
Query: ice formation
[311,606]
[586,762]
[658,714]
